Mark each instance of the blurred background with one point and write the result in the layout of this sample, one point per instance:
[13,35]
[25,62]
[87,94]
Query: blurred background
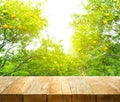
[59,38]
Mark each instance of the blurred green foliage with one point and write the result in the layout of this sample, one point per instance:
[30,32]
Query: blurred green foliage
[96,38]
[95,42]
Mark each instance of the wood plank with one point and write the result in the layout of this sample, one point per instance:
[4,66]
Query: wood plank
[66,91]
[114,84]
[60,89]
[65,85]
[83,98]
[79,86]
[37,91]
[72,82]
[67,98]
[5,82]
[80,90]
[14,93]
[19,86]
[11,98]
[82,86]
[108,98]
[38,86]
[99,86]
[54,90]
[59,98]
[35,98]
[55,98]
[54,85]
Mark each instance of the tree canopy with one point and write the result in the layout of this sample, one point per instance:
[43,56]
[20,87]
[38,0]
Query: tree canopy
[96,38]
[95,41]
[20,22]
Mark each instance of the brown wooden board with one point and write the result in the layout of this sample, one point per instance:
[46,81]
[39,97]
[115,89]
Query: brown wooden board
[19,86]
[38,86]
[82,86]
[72,82]
[37,91]
[59,98]
[54,85]
[79,86]
[35,98]
[66,91]
[108,98]
[99,86]
[54,90]
[11,98]
[59,89]
[55,98]
[113,84]
[83,98]
[80,90]
[67,98]
[5,82]
[65,86]
[14,93]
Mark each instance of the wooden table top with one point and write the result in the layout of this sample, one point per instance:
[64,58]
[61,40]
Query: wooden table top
[53,85]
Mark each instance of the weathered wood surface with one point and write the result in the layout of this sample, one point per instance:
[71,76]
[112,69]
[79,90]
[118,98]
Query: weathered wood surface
[60,89]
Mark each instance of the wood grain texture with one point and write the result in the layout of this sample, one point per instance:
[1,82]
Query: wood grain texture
[38,86]
[37,91]
[11,98]
[79,86]
[59,98]
[54,85]
[5,82]
[65,85]
[19,86]
[54,90]
[72,82]
[59,89]
[83,98]
[99,86]
[35,98]
[66,91]
[113,84]
[55,98]
[108,98]
[67,98]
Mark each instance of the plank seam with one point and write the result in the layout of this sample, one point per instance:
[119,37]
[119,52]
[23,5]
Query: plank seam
[96,98]
[46,98]
[87,86]
[10,84]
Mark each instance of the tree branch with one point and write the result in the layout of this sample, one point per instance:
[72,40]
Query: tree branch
[5,60]
[3,43]
[18,67]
